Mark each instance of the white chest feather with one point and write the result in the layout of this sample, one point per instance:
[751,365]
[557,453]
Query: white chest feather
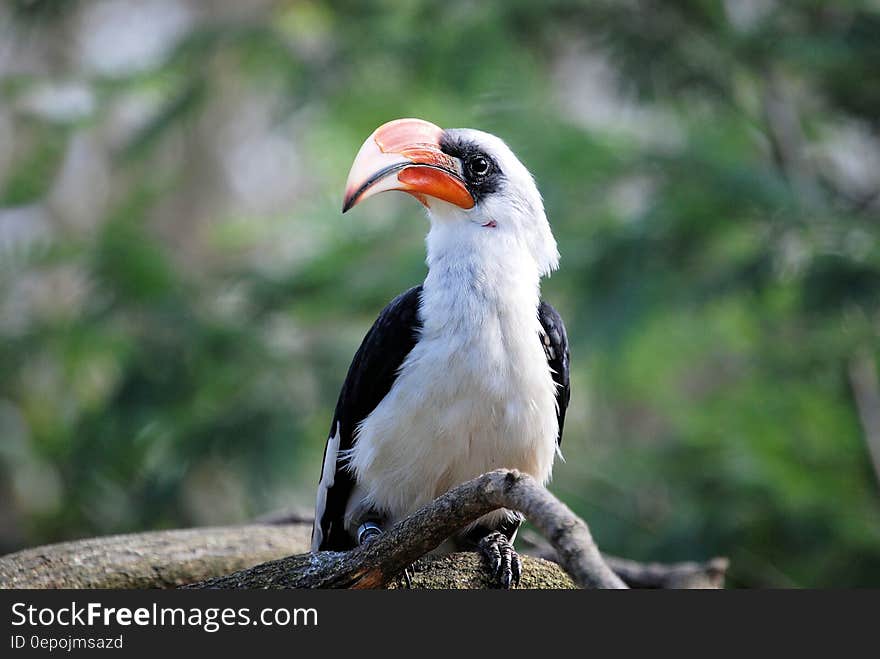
[475,394]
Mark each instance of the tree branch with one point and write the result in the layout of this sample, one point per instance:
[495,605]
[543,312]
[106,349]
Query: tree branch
[686,574]
[163,559]
[377,563]
[158,559]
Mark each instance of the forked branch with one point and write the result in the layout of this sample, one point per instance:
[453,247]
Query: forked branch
[376,564]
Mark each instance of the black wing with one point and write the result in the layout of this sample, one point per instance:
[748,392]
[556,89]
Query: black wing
[555,342]
[370,376]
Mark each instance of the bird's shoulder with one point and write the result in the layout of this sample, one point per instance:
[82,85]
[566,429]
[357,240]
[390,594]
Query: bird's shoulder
[375,364]
[554,336]
[554,340]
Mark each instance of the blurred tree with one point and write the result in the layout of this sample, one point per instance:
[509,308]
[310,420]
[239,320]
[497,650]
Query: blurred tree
[179,296]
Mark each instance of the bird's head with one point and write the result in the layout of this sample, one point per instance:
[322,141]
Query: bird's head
[476,191]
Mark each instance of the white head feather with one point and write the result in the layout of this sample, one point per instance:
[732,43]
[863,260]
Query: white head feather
[511,215]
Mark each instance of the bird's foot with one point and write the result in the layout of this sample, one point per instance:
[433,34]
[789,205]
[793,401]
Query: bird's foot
[503,560]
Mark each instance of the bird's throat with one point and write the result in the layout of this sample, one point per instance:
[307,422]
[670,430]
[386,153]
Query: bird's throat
[473,280]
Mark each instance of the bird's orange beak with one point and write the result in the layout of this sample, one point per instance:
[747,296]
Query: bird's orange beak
[405,155]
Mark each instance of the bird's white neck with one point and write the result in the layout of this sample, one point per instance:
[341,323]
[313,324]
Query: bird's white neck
[474,271]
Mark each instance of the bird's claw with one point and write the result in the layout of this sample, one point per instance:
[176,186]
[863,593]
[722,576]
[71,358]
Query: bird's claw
[503,560]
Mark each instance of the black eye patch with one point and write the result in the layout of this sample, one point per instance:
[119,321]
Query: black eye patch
[482,176]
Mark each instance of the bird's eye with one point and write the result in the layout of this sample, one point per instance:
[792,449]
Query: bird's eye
[479,165]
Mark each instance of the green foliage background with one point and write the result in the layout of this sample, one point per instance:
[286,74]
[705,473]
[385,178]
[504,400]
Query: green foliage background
[180,296]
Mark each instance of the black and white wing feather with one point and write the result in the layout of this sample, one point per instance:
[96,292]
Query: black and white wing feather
[555,342]
[370,377]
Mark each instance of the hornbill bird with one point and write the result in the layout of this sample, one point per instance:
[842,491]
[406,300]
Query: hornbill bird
[465,373]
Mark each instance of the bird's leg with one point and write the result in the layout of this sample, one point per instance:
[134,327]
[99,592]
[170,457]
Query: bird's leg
[371,529]
[503,560]
[367,531]
[495,543]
